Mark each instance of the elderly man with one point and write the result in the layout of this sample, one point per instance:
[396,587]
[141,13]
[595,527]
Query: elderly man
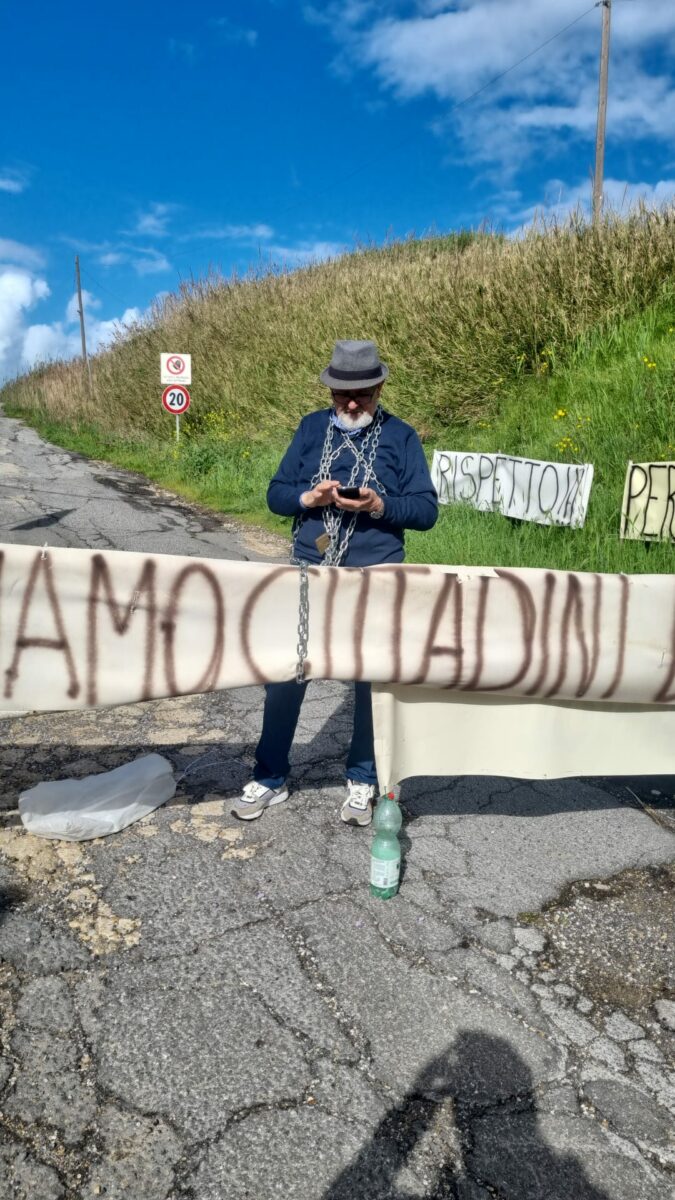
[353,478]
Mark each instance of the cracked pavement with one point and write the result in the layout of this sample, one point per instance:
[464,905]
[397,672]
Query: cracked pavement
[51,495]
[202,1009]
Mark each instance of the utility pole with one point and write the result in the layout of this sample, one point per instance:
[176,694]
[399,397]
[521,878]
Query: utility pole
[80,310]
[599,177]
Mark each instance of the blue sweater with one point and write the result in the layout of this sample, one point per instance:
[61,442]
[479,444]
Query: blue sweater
[410,501]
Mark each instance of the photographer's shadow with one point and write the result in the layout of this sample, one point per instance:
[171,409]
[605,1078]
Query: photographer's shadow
[497,1143]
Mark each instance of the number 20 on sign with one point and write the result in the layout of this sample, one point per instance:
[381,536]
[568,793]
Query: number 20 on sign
[176,400]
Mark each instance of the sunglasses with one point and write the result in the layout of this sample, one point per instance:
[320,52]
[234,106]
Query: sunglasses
[365,394]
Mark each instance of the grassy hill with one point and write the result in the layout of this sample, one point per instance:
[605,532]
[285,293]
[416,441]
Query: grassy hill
[559,345]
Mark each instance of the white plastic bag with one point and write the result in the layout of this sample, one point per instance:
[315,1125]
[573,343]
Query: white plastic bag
[78,809]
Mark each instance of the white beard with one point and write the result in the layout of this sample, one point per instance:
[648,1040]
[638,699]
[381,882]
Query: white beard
[347,421]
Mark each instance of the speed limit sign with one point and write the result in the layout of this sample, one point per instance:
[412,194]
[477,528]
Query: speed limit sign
[176,399]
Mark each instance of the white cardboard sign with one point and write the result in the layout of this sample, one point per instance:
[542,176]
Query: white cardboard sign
[648,509]
[526,488]
[175,368]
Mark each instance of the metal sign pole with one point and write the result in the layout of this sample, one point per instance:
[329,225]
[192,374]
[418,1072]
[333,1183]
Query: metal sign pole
[177,427]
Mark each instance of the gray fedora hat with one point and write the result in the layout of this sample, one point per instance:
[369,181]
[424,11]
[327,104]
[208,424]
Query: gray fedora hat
[354,365]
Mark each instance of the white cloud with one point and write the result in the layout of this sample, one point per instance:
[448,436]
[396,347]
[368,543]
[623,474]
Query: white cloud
[154,222]
[111,258]
[150,262]
[450,50]
[560,200]
[17,252]
[19,292]
[451,53]
[24,345]
[101,333]
[13,181]
[145,260]
[89,303]
[239,233]
[61,339]
[429,7]
[304,253]
[234,34]
[84,247]
[340,13]
[43,343]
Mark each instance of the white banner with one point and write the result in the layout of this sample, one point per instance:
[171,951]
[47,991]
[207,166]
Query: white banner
[526,488]
[80,628]
[648,509]
[423,731]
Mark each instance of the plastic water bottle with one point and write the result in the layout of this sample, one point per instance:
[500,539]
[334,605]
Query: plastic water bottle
[385,855]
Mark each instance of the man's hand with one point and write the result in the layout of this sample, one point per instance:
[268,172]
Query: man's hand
[323,493]
[368,502]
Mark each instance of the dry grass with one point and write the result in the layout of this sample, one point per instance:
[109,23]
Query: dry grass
[456,318]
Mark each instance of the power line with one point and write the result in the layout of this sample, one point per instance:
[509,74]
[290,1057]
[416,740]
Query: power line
[102,287]
[541,46]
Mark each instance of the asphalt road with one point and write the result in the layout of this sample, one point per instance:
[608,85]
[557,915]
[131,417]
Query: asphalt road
[48,495]
[197,1009]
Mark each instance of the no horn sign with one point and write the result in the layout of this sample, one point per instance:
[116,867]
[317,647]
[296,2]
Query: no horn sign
[175,368]
[176,399]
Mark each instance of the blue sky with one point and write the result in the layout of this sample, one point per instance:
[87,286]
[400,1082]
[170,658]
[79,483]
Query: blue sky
[157,139]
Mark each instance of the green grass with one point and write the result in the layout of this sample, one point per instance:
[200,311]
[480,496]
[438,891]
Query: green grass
[616,408]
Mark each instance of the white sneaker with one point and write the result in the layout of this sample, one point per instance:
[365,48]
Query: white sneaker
[358,807]
[255,798]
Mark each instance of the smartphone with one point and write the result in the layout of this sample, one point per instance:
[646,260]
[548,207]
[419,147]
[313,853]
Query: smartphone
[349,493]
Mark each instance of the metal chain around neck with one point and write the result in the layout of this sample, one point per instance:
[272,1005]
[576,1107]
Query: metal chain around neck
[364,464]
[363,450]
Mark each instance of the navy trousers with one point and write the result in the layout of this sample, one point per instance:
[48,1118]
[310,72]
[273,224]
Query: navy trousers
[283,702]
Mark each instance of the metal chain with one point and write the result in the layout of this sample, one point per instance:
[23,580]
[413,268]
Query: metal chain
[329,456]
[364,457]
[303,620]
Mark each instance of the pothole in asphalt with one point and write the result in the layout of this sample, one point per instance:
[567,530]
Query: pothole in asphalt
[135,489]
[613,939]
